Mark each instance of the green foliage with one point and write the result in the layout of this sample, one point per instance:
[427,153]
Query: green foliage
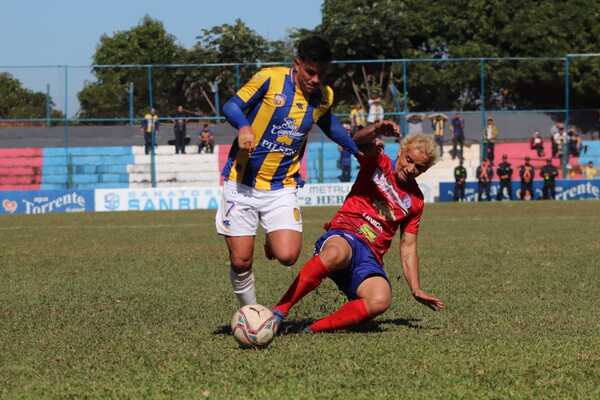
[17,102]
[393,29]
[227,43]
[147,43]
[137,305]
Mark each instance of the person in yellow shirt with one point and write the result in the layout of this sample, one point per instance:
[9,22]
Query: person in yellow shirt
[358,119]
[589,172]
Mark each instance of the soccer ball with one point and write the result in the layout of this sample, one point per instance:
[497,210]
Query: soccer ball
[253,326]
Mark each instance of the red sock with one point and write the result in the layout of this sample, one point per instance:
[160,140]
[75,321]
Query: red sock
[309,278]
[350,314]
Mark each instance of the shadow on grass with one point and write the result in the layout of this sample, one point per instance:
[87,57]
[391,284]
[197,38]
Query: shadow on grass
[297,326]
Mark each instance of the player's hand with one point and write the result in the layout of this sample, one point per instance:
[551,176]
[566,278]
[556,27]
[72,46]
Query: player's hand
[387,128]
[430,301]
[246,138]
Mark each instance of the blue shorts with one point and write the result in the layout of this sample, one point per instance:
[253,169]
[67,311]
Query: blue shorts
[363,263]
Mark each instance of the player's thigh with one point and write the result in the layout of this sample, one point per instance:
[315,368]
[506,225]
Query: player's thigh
[336,253]
[285,244]
[237,214]
[377,294]
[279,210]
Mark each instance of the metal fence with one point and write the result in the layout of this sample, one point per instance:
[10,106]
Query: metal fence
[80,106]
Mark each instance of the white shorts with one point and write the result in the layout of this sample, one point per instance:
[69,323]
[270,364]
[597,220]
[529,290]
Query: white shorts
[242,208]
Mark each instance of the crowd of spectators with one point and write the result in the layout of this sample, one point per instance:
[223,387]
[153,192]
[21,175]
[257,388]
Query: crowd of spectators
[150,128]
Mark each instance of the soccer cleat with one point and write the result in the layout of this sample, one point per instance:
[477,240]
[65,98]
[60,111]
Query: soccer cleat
[307,330]
[279,318]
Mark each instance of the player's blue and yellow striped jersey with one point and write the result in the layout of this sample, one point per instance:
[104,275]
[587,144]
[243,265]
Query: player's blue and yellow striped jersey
[281,118]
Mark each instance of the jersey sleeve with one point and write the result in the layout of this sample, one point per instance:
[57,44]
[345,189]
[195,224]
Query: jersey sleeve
[250,94]
[411,224]
[255,89]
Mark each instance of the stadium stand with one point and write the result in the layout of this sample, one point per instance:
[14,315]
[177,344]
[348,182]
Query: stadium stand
[21,168]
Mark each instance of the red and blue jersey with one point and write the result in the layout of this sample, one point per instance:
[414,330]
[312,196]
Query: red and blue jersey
[378,205]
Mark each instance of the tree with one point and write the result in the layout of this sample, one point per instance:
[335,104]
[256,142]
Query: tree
[148,43]
[223,44]
[17,102]
[392,29]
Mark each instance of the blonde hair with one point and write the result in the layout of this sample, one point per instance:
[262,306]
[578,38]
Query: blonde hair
[423,143]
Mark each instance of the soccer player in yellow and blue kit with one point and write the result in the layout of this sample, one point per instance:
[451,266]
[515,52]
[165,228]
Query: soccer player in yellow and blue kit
[273,114]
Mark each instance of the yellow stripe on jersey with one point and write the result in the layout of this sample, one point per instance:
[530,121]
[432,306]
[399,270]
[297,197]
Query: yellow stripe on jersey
[273,159]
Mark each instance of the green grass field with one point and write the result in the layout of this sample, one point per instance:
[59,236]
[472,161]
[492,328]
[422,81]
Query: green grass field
[137,305]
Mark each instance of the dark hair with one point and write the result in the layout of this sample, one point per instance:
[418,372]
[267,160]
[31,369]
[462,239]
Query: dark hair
[315,49]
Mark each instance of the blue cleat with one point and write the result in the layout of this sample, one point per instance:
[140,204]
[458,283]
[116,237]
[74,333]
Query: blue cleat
[279,318]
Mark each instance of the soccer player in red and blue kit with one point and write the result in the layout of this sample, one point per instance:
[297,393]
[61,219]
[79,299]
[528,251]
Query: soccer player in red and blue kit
[383,199]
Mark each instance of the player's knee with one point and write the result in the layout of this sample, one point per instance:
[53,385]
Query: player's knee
[241,264]
[378,304]
[288,258]
[334,255]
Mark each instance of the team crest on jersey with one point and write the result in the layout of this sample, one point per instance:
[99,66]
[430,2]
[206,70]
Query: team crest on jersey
[280,99]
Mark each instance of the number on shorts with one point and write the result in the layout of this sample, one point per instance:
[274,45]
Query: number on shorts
[231,205]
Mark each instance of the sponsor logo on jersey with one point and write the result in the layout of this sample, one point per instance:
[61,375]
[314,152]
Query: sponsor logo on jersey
[287,129]
[367,232]
[386,187]
[372,221]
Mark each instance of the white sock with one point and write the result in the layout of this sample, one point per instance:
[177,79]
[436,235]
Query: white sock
[243,286]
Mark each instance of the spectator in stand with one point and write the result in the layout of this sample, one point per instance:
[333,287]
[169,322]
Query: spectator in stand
[485,173]
[504,172]
[438,124]
[489,139]
[537,143]
[460,179]
[526,173]
[358,119]
[206,140]
[589,172]
[574,171]
[179,129]
[574,143]
[559,138]
[150,128]
[415,123]
[345,161]
[549,174]
[376,111]
[458,135]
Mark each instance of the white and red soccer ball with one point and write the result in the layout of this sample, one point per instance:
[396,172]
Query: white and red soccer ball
[253,326]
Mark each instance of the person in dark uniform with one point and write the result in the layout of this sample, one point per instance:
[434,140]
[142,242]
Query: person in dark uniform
[526,173]
[460,177]
[179,129]
[485,173]
[549,174]
[504,172]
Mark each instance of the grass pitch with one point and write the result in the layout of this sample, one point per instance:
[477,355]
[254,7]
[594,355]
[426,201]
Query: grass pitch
[137,305]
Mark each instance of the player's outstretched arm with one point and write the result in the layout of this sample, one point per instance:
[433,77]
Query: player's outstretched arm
[370,132]
[331,126]
[410,268]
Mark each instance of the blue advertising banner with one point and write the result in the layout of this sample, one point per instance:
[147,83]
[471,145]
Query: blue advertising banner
[46,201]
[565,190]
